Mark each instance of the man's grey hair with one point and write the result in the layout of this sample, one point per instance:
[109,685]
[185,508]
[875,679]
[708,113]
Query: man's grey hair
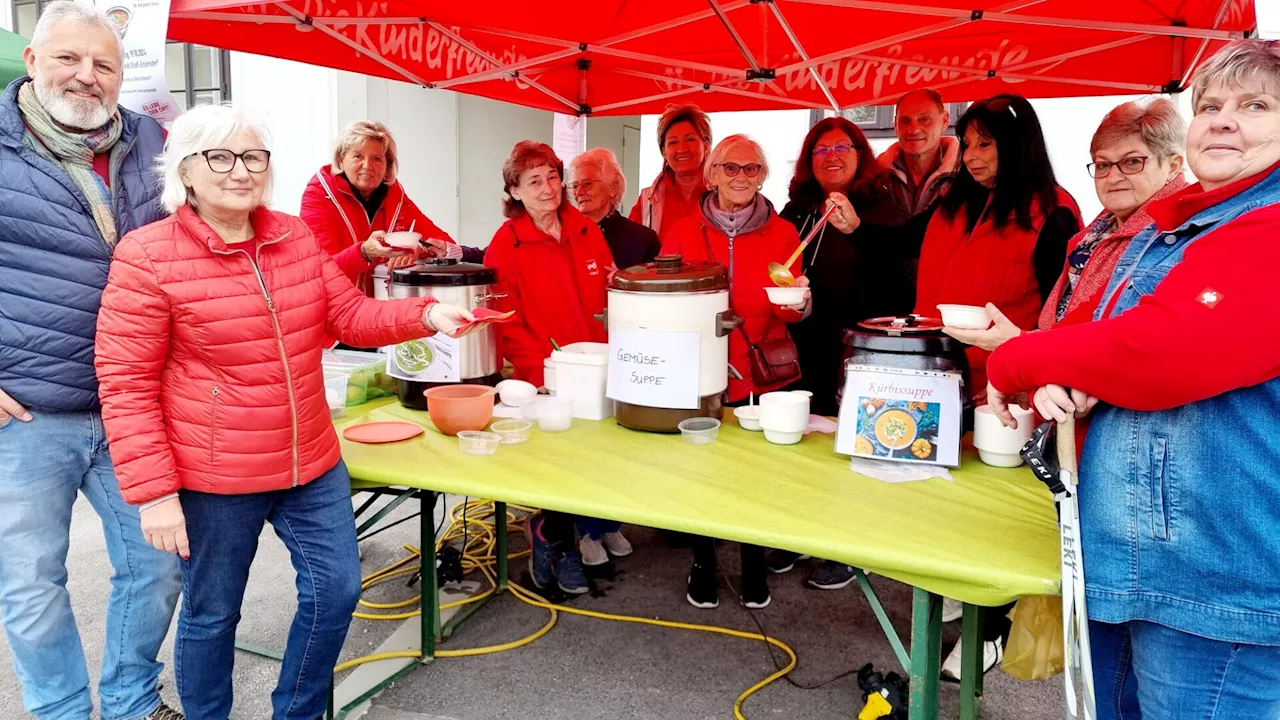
[205,127]
[1237,63]
[68,10]
[1156,123]
[731,142]
[606,162]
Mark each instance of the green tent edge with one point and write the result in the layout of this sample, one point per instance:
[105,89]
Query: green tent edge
[11,65]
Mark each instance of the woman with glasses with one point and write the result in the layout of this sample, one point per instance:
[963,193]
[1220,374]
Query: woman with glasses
[597,189]
[737,227]
[208,358]
[1137,159]
[860,265]
[997,239]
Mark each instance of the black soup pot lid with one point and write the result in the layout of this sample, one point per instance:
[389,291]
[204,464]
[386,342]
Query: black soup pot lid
[444,272]
[910,334]
[670,273]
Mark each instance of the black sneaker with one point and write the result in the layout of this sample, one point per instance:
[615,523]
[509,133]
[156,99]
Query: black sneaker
[781,561]
[703,588]
[832,575]
[754,592]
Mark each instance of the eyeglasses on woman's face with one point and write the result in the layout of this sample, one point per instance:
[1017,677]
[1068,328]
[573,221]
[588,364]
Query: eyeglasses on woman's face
[837,150]
[1127,166]
[732,169]
[221,160]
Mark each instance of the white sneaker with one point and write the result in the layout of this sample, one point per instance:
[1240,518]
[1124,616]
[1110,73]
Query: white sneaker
[952,610]
[992,654]
[592,552]
[616,544]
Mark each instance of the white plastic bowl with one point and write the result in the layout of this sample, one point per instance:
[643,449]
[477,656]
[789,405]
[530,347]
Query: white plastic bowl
[516,393]
[512,432]
[700,431]
[403,240]
[1003,460]
[555,414]
[786,295]
[475,442]
[748,417]
[778,437]
[965,317]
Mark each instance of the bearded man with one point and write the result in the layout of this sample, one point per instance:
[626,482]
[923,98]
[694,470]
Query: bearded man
[76,174]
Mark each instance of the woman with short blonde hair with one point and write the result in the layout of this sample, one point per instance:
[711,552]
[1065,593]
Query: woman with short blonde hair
[354,202]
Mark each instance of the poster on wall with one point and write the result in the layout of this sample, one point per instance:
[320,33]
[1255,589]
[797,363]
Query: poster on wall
[569,136]
[143,26]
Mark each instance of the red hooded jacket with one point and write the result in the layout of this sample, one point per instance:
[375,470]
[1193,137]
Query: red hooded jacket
[699,241]
[332,211]
[208,355]
[556,287]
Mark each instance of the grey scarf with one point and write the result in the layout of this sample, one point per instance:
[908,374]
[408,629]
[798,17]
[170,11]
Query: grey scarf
[749,219]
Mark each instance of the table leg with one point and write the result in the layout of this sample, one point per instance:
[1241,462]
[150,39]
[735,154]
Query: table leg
[500,531]
[926,654]
[430,586]
[972,657]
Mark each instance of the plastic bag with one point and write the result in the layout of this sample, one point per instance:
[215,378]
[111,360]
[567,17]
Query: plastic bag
[1034,651]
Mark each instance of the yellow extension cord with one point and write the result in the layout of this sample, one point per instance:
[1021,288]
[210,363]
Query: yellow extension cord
[480,554]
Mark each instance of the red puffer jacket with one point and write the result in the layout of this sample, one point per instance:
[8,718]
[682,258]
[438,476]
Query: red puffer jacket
[695,238]
[556,288]
[209,360]
[331,210]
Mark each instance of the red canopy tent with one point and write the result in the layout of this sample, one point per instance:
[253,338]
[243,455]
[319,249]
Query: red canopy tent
[634,56]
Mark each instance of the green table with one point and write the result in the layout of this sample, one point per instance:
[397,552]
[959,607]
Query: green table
[986,539]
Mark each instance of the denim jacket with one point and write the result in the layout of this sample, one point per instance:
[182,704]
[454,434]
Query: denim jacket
[1180,509]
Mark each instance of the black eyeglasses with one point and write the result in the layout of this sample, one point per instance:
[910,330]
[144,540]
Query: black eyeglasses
[224,161]
[1127,166]
[837,150]
[732,169]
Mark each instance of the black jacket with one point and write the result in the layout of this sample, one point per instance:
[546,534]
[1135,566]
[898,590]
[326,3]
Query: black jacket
[630,242]
[869,273]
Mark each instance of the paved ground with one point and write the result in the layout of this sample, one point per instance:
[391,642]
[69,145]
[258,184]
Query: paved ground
[585,668]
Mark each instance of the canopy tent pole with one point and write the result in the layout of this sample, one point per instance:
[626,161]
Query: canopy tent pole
[1204,44]
[527,80]
[795,42]
[733,33]
[650,98]
[303,19]
[511,70]
[671,24]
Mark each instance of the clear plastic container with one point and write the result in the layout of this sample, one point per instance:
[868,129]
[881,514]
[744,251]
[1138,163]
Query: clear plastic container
[700,431]
[364,370]
[335,392]
[555,414]
[512,432]
[475,442]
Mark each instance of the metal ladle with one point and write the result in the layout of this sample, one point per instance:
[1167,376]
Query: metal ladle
[779,272]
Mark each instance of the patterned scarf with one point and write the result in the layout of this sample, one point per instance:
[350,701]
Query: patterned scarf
[74,152]
[1098,231]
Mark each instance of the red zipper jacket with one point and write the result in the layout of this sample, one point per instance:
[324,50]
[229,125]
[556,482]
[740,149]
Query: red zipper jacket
[555,288]
[699,241]
[208,355]
[332,211]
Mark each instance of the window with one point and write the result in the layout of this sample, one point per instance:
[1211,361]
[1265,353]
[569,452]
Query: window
[196,74]
[877,121]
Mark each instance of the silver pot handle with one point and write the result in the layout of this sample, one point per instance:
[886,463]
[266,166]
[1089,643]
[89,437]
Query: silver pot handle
[727,322]
[477,300]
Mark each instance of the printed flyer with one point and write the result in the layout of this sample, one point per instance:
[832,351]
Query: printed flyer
[901,415]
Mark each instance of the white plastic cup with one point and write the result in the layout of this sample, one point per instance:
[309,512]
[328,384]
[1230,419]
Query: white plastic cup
[990,435]
[555,414]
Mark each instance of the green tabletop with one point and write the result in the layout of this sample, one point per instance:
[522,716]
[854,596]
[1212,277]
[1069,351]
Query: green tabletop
[986,538]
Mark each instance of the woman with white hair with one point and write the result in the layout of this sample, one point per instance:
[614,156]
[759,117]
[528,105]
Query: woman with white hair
[208,358]
[598,186]
[354,202]
[737,227]
[1179,503]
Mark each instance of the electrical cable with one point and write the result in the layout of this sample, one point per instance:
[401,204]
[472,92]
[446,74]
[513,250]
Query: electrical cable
[479,542]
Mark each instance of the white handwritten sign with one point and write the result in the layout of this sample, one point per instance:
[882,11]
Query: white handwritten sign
[900,415]
[654,368]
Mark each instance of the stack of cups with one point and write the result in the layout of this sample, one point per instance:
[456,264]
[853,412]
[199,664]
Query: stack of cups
[999,445]
[784,416]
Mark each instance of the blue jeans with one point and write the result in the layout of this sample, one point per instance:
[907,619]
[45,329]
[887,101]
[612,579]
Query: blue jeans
[317,525]
[44,464]
[595,529]
[1145,671]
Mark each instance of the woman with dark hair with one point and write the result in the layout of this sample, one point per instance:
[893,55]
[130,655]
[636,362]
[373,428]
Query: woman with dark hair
[860,265]
[1000,233]
[553,264]
[999,236]
[684,137]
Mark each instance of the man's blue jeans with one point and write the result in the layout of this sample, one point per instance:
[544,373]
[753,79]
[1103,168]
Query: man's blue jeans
[44,465]
[1145,671]
[317,525]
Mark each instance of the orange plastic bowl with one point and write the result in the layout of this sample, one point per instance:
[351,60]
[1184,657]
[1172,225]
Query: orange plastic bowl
[455,408]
